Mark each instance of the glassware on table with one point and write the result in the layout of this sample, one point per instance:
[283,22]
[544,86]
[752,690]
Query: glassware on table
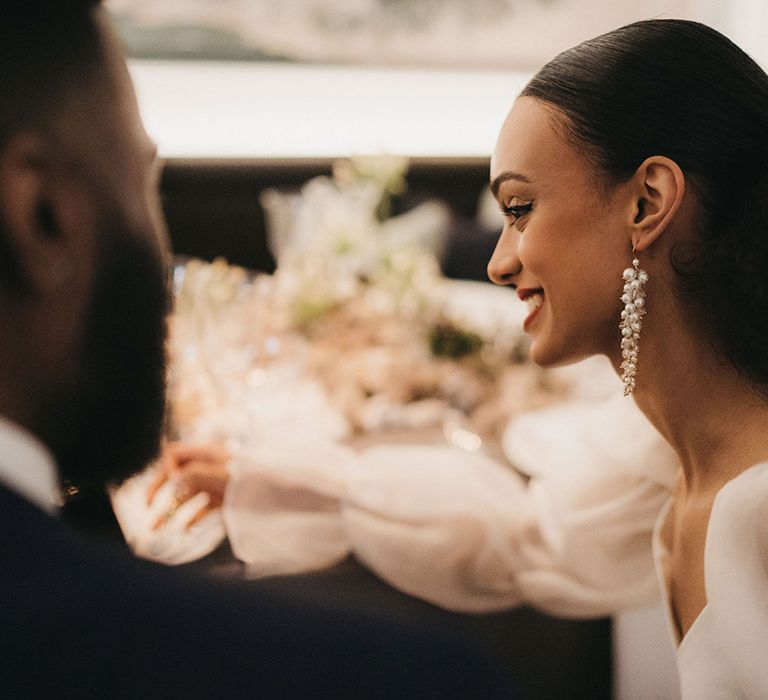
[223,346]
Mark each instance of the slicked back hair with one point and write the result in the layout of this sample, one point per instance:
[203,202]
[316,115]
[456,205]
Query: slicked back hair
[680,89]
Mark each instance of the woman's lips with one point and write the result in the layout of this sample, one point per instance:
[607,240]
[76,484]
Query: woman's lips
[534,298]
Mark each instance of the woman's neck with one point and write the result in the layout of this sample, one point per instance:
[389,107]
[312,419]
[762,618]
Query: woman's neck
[715,421]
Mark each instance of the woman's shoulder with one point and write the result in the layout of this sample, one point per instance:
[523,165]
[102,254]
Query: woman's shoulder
[738,525]
[741,506]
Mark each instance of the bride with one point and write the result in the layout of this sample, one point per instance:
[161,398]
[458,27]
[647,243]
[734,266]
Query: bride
[636,166]
[633,175]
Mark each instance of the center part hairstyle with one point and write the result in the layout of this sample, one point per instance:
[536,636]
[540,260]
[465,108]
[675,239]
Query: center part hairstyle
[680,89]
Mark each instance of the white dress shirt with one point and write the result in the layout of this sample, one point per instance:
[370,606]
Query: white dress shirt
[27,467]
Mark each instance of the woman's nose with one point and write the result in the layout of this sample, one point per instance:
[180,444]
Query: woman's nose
[504,266]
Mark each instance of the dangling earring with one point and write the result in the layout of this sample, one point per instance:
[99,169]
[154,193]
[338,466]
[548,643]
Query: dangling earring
[631,321]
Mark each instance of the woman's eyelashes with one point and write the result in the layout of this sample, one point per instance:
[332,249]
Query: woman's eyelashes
[515,212]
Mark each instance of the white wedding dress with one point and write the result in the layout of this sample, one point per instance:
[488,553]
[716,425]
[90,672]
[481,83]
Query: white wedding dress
[724,654]
[579,539]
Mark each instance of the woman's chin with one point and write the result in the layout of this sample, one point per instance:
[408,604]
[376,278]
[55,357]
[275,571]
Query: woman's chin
[541,354]
[549,355]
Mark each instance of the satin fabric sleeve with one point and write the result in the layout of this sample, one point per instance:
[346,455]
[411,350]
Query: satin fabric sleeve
[461,530]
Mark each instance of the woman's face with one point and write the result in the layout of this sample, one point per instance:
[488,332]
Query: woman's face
[565,239]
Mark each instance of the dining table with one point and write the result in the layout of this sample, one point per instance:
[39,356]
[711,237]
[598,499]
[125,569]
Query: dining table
[548,657]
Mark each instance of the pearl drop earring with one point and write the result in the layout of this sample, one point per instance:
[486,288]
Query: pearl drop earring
[632,321]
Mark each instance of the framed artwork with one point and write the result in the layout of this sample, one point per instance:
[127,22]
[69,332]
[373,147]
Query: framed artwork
[432,78]
[450,34]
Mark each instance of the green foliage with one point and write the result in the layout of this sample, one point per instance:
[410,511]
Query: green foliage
[305,311]
[446,340]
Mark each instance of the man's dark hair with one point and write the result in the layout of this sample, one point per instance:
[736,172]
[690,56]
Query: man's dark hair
[680,89]
[48,51]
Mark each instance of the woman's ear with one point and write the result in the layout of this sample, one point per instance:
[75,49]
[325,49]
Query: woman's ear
[659,188]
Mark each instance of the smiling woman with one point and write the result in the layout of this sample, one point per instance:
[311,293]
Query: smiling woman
[554,213]
[674,171]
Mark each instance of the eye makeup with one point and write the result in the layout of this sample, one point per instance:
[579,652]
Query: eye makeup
[516,211]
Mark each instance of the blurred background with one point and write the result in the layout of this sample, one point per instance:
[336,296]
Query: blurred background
[252,78]
[242,95]
[254,104]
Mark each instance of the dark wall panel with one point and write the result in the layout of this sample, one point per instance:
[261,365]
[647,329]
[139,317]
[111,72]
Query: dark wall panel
[213,207]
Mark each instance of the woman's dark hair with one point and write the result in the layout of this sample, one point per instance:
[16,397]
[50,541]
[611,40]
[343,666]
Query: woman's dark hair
[680,89]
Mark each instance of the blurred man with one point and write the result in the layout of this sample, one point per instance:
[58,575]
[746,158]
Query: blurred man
[82,306]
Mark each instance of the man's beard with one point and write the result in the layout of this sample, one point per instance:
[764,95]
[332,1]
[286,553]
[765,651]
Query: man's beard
[108,423]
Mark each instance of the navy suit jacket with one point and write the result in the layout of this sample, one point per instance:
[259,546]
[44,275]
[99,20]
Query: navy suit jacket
[79,620]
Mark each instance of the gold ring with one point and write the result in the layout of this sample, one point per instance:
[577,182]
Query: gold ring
[173,506]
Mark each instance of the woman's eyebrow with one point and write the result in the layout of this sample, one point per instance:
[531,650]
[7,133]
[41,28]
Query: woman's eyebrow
[503,177]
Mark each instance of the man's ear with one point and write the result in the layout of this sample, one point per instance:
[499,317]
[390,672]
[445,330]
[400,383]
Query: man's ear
[658,191]
[40,220]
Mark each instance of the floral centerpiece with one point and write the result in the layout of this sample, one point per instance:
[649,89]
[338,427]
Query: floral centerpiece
[358,306]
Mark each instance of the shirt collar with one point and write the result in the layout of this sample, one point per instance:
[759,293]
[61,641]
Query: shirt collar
[27,467]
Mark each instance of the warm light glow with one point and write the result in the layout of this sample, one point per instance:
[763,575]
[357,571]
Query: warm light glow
[240,110]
